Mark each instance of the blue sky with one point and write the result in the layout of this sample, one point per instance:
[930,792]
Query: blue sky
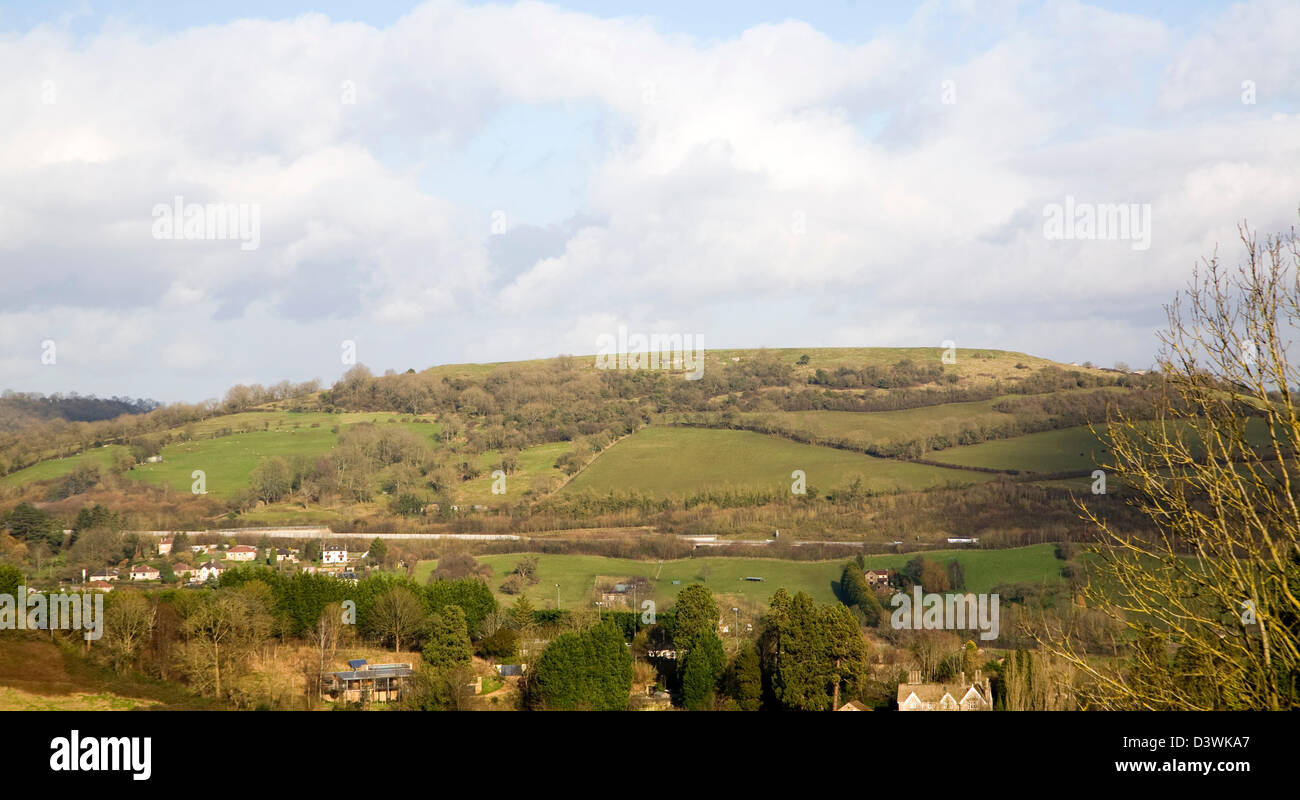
[512,181]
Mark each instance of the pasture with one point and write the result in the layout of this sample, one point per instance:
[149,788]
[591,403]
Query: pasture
[577,574]
[680,461]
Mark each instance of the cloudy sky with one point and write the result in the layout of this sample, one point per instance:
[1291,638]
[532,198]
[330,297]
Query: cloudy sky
[459,181]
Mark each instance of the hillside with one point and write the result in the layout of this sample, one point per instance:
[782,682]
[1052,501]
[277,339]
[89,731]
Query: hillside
[562,443]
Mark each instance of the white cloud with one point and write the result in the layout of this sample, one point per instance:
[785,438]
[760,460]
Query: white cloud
[776,169]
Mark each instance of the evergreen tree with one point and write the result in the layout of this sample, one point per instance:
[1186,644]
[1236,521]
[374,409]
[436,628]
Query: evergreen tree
[701,668]
[747,678]
[582,670]
[448,642]
[696,614]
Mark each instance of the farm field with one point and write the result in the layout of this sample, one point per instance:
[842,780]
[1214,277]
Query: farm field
[883,427]
[1049,451]
[667,460]
[228,460]
[577,574]
[101,457]
[1069,449]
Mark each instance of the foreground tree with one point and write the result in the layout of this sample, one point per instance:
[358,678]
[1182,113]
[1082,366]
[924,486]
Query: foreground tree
[812,653]
[587,670]
[1213,598]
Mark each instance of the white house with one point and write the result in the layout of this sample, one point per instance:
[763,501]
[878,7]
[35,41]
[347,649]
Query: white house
[144,572]
[211,569]
[334,555]
[241,552]
[165,545]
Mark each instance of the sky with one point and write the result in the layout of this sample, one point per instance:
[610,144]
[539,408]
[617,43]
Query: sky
[452,181]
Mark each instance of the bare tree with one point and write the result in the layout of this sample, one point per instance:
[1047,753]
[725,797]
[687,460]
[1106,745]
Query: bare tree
[128,624]
[397,614]
[1212,598]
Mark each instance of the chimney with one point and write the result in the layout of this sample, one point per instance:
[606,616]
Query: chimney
[979,675]
[914,676]
[963,677]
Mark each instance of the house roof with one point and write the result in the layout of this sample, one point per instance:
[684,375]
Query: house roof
[242,548]
[934,692]
[853,705]
[378,671]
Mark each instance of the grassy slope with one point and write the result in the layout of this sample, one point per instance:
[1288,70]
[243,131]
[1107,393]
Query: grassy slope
[972,365]
[228,460]
[883,426]
[536,472]
[684,460]
[58,467]
[37,673]
[577,574]
[1051,451]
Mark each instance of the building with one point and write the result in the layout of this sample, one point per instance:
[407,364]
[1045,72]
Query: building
[184,571]
[165,546]
[101,586]
[368,683]
[211,570]
[960,696]
[241,552]
[144,572]
[334,555]
[105,575]
[289,555]
[879,578]
[853,705]
[615,599]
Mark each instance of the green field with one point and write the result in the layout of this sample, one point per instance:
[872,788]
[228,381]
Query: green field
[101,457]
[1069,449]
[680,461]
[228,460]
[577,574]
[1050,451]
[537,473]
